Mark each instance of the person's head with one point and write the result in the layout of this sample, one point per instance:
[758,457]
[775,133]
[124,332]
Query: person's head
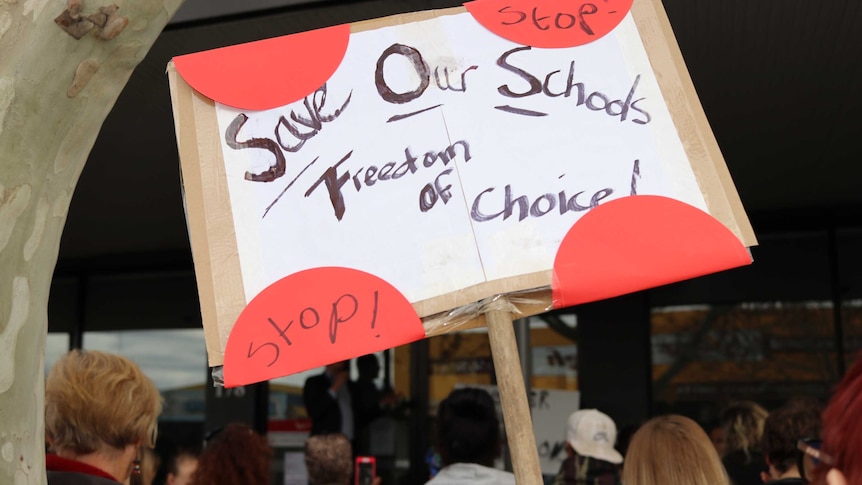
[842,431]
[781,432]
[592,433]
[672,450]
[337,367]
[716,435]
[368,367]
[181,466]
[467,427]
[328,459]
[99,403]
[236,456]
[742,423]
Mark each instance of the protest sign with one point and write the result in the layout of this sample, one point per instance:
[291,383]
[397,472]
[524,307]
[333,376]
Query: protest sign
[410,165]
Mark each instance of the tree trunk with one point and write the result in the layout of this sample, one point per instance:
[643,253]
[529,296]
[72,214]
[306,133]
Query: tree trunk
[62,68]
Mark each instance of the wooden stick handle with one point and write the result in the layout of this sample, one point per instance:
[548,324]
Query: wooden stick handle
[513,398]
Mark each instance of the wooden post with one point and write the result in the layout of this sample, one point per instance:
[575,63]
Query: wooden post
[513,398]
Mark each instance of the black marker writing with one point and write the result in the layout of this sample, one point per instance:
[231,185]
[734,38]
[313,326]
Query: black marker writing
[312,124]
[343,309]
[594,101]
[335,179]
[542,205]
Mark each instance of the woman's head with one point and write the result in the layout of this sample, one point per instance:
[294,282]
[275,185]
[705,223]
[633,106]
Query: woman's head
[236,456]
[99,402]
[672,450]
[468,428]
[742,423]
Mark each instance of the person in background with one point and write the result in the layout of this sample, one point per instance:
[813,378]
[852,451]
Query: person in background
[742,423]
[781,433]
[181,466]
[329,400]
[369,402]
[783,429]
[328,459]
[591,458]
[100,409]
[235,456]
[672,450]
[838,462]
[716,435]
[469,440]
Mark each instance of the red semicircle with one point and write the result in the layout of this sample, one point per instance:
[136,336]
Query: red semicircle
[549,23]
[267,73]
[313,318]
[640,242]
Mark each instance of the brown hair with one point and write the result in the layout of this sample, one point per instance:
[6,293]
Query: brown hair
[328,459]
[237,456]
[742,423]
[95,400]
[784,428]
[672,450]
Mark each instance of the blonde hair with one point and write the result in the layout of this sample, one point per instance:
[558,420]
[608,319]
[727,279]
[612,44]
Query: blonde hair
[95,400]
[742,423]
[672,450]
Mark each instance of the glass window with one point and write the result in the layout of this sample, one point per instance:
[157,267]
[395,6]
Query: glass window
[703,356]
[56,346]
[285,393]
[175,360]
[554,356]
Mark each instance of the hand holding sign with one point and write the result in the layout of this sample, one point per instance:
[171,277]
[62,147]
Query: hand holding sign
[313,318]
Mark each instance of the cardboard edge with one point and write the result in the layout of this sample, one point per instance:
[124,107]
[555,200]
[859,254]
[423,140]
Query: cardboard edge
[186,135]
[686,111]
[404,18]
[210,218]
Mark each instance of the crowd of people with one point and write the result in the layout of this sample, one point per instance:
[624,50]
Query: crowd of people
[101,416]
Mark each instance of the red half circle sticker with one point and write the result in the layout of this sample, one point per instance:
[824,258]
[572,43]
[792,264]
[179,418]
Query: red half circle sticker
[313,318]
[550,23]
[640,242]
[267,73]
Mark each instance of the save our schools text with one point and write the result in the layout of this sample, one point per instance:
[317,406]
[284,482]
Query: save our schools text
[301,124]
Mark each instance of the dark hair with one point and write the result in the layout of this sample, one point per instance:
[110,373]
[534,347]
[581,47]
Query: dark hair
[368,365]
[468,428]
[784,428]
[237,456]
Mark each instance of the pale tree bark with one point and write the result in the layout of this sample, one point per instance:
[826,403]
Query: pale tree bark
[55,92]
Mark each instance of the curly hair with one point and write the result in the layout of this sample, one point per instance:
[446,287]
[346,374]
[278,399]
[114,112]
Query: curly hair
[783,428]
[95,400]
[237,456]
[328,459]
[742,423]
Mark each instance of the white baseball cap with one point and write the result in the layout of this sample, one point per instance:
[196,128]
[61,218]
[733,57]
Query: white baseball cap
[593,433]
